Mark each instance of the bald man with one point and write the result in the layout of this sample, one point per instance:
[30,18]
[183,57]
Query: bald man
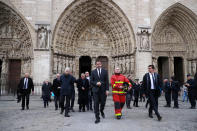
[25,87]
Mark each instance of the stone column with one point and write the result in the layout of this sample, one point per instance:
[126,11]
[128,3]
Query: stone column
[93,62]
[143,52]
[171,66]
[42,55]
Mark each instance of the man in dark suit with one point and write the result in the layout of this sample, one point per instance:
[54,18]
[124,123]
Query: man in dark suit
[25,87]
[100,87]
[168,92]
[66,81]
[56,91]
[175,86]
[152,85]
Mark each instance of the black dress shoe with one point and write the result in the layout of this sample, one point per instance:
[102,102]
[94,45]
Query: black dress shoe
[118,117]
[22,108]
[103,114]
[56,109]
[97,121]
[61,111]
[193,107]
[150,115]
[176,107]
[159,118]
[129,107]
[67,115]
[27,107]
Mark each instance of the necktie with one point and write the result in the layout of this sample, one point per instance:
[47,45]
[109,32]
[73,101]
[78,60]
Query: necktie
[25,85]
[99,72]
[153,80]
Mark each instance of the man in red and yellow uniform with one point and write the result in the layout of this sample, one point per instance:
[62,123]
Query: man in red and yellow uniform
[117,81]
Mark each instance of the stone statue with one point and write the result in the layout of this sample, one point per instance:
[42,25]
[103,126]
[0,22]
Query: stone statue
[193,67]
[127,64]
[144,42]
[42,38]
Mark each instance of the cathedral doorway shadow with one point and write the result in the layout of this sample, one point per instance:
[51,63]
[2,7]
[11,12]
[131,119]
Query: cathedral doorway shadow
[84,64]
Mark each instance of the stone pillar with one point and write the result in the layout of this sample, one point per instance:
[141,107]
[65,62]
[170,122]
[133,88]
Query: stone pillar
[143,52]
[171,66]
[4,76]
[185,71]
[93,62]
[42,56]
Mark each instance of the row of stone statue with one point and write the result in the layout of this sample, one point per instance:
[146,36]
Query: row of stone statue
[126,64]
[61,62]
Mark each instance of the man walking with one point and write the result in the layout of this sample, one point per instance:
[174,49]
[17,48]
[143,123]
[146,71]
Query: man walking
[90,94]
[151,85]
[191,91]
[168,92]
[100,82]
[66,89]
[25,87]
[117,82]
[56,91]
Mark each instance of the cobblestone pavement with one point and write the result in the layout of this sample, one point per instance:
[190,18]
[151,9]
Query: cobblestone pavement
[38,118]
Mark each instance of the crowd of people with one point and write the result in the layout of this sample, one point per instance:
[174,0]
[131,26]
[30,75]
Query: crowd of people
[93,91]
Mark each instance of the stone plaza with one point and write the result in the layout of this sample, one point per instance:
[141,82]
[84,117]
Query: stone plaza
[38,118]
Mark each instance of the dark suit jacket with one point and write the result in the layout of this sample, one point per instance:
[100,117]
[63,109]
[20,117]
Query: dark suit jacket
[103,79]
[146,84]
[167,88]
[56,84]
[30,85]
[67,82]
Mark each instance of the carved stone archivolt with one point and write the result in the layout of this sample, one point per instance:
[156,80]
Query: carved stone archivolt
[174,35]
[15,43]
[15,38]
[94,28]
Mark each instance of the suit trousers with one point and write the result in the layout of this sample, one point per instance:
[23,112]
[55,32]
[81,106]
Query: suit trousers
[99,103]
[153,99]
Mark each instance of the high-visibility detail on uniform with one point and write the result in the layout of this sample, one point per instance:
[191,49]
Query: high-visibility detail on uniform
[119,82]
[119,114]
[120,92]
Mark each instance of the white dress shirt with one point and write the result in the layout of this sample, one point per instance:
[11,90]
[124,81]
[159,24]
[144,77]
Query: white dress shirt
[152,81]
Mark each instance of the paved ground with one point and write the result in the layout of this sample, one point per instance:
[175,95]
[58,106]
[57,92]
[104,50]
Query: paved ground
[135,119]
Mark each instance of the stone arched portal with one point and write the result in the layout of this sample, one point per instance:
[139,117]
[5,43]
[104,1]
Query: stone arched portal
[174,38]
[93,28]
[16,49]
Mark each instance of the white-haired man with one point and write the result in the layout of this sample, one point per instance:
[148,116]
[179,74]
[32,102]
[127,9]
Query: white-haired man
[66,86]
[25,87]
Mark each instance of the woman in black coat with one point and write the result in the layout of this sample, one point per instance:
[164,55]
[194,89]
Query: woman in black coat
[46,92]
[83,86]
